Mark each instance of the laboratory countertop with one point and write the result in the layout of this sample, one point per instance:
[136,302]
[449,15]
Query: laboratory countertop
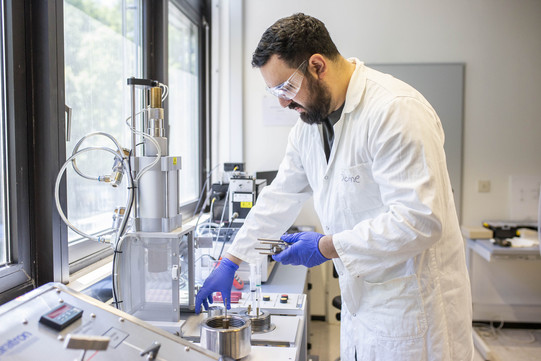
[489,251]
[283,279]
[286,279]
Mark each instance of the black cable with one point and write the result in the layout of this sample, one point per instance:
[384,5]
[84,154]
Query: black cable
[203,190]
[222,219]
[220,226]
[200,197]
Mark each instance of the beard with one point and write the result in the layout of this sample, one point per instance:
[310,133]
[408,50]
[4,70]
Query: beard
[320,105]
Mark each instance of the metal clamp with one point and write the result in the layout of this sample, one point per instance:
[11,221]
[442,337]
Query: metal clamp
[68,111]
[276,246]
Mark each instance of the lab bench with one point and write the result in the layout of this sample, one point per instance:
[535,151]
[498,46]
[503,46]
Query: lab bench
[505,281]
[506,288]
[286,279]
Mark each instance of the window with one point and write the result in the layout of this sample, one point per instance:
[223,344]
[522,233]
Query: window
[16,272]
[184,100]
[102,48]
[85,67]
[4,249]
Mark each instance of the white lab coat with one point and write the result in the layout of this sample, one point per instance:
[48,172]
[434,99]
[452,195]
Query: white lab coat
[386,198]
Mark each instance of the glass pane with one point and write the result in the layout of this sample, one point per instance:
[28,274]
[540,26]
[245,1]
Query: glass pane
[102,49]
[184,100]
[3,219]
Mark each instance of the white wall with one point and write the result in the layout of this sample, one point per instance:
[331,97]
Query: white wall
[498,40]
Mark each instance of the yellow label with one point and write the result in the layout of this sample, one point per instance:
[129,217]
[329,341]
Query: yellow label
[175,160]
[245,204]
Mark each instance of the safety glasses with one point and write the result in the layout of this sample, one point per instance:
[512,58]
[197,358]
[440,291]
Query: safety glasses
[289,89]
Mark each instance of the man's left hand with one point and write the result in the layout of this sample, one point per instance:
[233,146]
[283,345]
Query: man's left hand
[303,250]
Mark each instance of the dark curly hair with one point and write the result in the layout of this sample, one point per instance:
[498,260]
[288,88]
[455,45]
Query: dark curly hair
[294,39]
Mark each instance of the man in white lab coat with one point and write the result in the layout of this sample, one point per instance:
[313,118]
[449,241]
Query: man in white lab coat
[369,149]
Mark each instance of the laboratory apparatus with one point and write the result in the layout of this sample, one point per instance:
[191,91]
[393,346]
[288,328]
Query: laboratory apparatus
[227,335]
[219,193]
[153,261]
[279,333]
[154,265]
[230,202]
[78,327]
[504,231]
[234,195]
[243,191]
[271,246]
[260,319]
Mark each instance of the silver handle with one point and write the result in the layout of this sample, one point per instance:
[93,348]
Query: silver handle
[67,110]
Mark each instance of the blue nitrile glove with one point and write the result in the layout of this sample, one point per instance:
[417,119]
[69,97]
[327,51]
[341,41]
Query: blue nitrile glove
[304,249]
[221,280]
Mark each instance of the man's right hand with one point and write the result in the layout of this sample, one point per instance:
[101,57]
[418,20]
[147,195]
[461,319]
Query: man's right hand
[220,280]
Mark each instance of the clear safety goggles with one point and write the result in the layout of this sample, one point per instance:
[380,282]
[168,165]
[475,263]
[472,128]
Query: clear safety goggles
[289,89]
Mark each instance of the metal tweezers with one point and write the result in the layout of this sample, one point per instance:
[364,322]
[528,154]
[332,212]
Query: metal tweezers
[276,246]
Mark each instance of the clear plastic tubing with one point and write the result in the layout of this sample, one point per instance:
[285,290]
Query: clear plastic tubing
[258,286]
[253,283]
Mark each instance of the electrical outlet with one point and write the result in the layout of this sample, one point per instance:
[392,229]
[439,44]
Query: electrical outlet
[483,186]
[524,197]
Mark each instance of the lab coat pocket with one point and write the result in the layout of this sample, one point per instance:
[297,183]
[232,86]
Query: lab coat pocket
[394,308]
[357,189]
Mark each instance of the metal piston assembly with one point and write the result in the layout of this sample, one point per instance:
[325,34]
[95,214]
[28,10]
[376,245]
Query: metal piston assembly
[275,246]
[261,322]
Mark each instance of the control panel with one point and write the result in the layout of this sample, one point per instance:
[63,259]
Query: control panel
[56,323]
[277,303]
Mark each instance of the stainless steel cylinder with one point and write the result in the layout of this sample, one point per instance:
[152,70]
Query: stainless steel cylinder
[155,128]
[233,341]
[260,323]
[158,195]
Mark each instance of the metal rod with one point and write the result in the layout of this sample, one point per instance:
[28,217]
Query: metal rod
[225,323]
[276,246]
[262,240]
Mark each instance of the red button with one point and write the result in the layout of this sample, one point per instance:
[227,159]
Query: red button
[235,297]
